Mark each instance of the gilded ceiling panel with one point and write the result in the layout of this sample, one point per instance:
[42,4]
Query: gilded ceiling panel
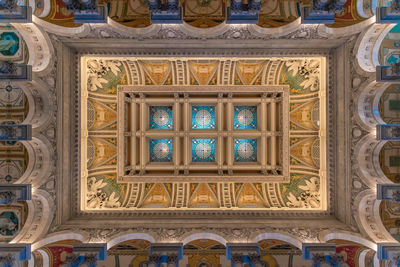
[305,186]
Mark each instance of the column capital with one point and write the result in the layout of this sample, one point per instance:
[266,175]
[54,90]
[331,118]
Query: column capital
[321,11]
[388,132]
[240,12]
[15,72]
[10,193]
[87,254]
[388,192]
[240,253]
[388,73]
[165,12]
[13,13]
[87,11]
[20,252]
[169,253]
[389,251]
[389,14]
[15,132]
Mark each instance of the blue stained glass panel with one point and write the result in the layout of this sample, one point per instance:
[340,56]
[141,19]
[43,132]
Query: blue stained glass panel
[161,117]
[203,117]
[245,150]
[161,150]
[203,150]
[245,117]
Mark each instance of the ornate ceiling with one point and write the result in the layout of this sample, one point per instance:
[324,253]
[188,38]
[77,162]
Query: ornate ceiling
[104,186]
[201,133]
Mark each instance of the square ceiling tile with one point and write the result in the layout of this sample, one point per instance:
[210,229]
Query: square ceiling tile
[203,117]
[245,117]
[203,150]
[245,150]
[161,117]
[161,150]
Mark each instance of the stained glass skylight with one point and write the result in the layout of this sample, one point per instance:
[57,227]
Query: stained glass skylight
[203,150]
[160,150]
[245,150]
[245,117]
[161,117]
[203,117]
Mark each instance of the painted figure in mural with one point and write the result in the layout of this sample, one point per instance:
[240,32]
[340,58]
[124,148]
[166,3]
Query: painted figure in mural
[8,223]
[9,43]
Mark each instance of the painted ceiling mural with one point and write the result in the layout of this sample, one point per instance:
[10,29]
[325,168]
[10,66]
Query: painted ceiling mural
[203,14]
[12,45]
[14,108]
[390,215]
[101,78]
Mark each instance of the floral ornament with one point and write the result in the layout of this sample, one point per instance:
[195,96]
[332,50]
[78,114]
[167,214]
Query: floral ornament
[96,198]
[307,69]
[97,69]
[310,198]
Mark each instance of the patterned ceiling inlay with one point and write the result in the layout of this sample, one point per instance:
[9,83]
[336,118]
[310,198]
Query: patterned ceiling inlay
[203,133]
[245,150]
[161,117]
[203,117]
[245,117]
[203,150]
[160,150]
